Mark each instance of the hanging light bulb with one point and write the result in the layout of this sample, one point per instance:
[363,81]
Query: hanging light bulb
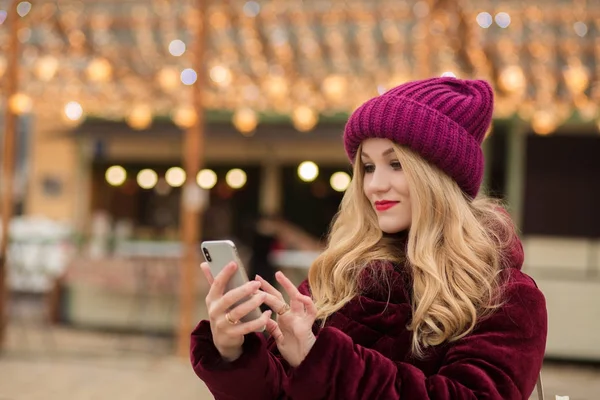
[304,118]
[334,87]
[206,179]
[73,111]
[245,120]
[45,68]
[185,117]
[168,78]
[220,75]
[576,78]
[308,171]
[544,122]
[140,117]
[276,87]
[20,103]
[175,176]
[512,79]
[116,175]
[99,70]
[147,178]
[236,178]
[340,181]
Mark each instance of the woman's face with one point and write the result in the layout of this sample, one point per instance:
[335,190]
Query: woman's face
[385,185]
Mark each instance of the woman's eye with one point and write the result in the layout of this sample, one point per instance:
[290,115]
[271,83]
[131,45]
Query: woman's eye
[396,165]
[369,168]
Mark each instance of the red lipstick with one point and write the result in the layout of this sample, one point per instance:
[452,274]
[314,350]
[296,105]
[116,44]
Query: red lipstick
[385,205]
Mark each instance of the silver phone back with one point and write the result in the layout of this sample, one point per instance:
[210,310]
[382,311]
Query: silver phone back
[219,253]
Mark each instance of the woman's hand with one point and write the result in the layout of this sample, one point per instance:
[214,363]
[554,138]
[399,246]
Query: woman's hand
[293,330]
[227,330]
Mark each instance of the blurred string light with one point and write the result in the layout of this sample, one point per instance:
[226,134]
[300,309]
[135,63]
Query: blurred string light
[99,70]
[169,78]
[147,178]
[278,73]
[73,111]
[116,175]
[484,19]
[251,9]
[23,8]
[185,116]
[580,28]
[245,120]
[175,176]
[3,16]
[576,77]
[512,79]
[188,76]
[20,103]
[236,178]
[308,171]
[177,48]
[220,75]
[502,19]
[140,117]
[544,122]
[304,118]
[206,179]
[335,87]
[340,181]
[421,9]
[46,67]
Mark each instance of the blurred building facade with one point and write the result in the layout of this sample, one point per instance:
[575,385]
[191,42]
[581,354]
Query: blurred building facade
[107,86]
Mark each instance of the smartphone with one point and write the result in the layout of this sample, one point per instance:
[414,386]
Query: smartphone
[219,253]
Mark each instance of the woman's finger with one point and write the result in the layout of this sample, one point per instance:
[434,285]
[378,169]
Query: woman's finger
[246,307]
[274,303]
[206,270]
[274,331]
[267,287]
[228,300]
[291,290]
[309,305]
[255,325]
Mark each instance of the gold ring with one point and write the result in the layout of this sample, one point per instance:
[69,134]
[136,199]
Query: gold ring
[284,308]
[231,321]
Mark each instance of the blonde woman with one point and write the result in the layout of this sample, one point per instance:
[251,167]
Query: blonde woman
[419,293]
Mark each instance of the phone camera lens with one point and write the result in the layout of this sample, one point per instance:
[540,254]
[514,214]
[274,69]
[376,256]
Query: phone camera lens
[207,255]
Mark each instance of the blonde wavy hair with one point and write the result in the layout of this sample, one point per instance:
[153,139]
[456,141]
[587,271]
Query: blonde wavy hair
[455,252]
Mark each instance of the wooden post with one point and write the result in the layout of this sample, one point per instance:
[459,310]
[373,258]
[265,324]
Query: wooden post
[193,149]
[8,161]
[516,160]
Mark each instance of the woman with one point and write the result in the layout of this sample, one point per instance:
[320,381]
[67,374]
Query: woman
[419,294]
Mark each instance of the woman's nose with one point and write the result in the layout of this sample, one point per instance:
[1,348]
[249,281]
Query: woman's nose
[379,182]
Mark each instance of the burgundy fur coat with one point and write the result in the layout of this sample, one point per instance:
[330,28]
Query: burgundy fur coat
[364,353]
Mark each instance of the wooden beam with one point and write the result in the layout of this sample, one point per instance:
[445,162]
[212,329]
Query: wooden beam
[193,150]
[8,161]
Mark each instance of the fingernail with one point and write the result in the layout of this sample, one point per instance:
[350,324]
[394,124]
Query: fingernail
[258,277]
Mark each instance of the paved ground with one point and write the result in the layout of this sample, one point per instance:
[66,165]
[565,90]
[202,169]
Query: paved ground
[77,365]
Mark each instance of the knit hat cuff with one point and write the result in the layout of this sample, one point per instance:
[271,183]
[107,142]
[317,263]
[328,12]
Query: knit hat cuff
[436,137]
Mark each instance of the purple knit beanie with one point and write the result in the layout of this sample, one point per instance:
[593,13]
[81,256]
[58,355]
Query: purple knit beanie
[442,119]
